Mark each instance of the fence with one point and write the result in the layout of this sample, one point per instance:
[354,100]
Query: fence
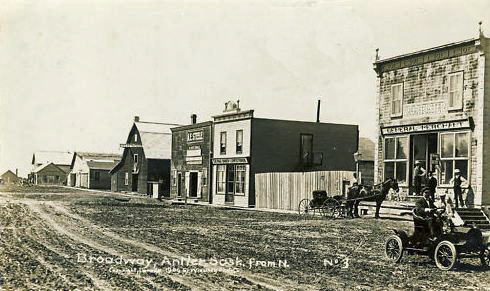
[286,190]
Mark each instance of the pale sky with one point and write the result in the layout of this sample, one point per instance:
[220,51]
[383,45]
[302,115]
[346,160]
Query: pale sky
[74,73]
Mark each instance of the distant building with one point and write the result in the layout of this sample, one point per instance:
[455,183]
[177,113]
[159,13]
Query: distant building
[145,164]
[9,177]
[49,174]
[433,107]
[60,159]
[245,145]
[191,160]
[365,161]
[91,170]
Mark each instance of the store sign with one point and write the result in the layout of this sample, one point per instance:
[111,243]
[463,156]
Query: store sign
[193,160]
[436,126]
[230,161]
[424,109]
[195,136]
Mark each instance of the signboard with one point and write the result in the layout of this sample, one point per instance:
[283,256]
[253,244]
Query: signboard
[130,145]
[193,160]
[435,126]
[424,109]
[195,136]
[230,161]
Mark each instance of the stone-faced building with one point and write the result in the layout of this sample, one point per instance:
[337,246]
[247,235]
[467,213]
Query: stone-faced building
[245,145]
[145,164]
[433,106]
[191,161]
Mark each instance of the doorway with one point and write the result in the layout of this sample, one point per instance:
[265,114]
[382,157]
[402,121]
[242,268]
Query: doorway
[230,184]
[421,148]
[134,183]
[193,184]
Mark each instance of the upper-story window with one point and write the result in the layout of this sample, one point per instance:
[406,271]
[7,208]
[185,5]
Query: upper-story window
[306,149]
[222,143]
[396,100]
[455,91]
[135,158]
[239,141]
[135,137]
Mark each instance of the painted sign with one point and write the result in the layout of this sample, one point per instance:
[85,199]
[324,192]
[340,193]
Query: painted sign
[436,126]
[424,109]
[230,161]
[195,136]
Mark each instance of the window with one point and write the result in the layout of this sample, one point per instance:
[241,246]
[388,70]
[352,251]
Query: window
[135,158]
[396,100]
[395,161]
[126,178]
[240,179]
[221,178]
[239,141]
[306,149]
[454,154]
[222,143]
[455,91]
[97,176]
[135,137]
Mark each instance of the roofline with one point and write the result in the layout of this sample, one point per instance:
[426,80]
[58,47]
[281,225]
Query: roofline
[190,126]
[162,123]
[312,122]
[233,113]
[427,50]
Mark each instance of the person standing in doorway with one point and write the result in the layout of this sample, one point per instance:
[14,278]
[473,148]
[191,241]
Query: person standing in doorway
[458,180]
[418,174]
[432,184]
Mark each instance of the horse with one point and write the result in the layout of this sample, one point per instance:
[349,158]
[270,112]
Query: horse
[356,194]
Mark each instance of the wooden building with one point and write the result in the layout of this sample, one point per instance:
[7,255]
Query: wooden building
[91,170]
[145,164]
[365,161]
[61,160]
[245,145]
[49,174]
[191,161]
[9,177]
[433,107]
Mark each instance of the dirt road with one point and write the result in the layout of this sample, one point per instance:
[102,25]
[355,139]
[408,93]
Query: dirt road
[64,239]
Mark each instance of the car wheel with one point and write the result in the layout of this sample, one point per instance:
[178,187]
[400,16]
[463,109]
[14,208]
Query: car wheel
[394,248]
[445,255]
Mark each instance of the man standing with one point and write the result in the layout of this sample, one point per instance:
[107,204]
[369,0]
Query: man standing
[418,174]
[432,184]
[458,181]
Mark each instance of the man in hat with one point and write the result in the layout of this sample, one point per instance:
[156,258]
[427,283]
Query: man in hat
[425,209]
[418,174]
[432,184]
[458,180]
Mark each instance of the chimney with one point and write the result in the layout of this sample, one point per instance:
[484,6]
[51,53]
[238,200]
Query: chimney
[17,172]
[193,118]
[136,119]
[318,112]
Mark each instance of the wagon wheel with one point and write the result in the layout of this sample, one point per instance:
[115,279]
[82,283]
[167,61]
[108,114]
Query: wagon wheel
[304,207]
[329,208]
[445,255]
[485,257]
[394,248]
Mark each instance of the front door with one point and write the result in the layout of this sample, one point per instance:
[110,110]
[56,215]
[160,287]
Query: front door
[421,147]
[155,190]
[134,183]
[230,184]
[179,185]
[193,184]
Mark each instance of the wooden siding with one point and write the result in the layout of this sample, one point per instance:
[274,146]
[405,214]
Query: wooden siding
[286,190]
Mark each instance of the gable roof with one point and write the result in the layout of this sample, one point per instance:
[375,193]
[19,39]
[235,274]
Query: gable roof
[43,166]
[102,165]
[8,172]
[156,139]
[366,149]
[98,156]
[55,157]
[100,161]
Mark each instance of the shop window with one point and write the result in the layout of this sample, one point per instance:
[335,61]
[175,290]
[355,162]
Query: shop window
[240,179]
[396,100]
[454,155]
[239,141]
[306,149]
[455,91]
[221,178]
[395,160]
[222,143]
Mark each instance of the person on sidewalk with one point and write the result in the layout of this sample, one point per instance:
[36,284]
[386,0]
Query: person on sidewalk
[418,173]
[432,184]
[458,182]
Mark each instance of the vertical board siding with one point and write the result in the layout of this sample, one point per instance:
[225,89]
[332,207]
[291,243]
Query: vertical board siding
[286,190]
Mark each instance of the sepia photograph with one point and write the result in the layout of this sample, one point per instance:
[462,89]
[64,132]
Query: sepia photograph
[245,145]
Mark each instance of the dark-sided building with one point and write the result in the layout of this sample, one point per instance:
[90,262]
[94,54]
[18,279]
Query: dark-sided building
[433,107]
[191,161]
[245,145]
[365,161]
[91,170]
[145,164]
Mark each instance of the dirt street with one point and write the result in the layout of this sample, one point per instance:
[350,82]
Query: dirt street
[65,239]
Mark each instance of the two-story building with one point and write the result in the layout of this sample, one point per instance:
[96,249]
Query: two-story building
[433,107]
[245,145]
[145,164]
[191,161]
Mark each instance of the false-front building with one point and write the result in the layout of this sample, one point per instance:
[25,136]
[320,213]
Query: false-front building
[433,106]
[244,146]
[145,164]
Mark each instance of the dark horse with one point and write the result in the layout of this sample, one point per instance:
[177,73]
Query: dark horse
[359,193]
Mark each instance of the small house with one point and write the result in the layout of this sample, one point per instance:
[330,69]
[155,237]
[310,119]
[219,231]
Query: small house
[91,170]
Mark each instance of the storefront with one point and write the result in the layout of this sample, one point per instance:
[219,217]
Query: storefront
[231,180]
